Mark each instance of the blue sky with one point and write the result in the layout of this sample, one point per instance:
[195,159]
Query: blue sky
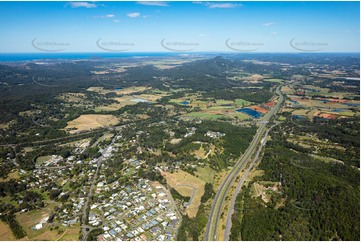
[179,26]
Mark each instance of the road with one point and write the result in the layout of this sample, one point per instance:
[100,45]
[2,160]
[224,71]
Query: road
[91,191]
[193,193]
[239,186]
[219,201]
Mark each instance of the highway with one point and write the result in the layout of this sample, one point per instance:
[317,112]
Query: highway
[227,231]
[219,201]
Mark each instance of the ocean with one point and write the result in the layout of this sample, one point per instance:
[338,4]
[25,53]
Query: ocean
[12,57]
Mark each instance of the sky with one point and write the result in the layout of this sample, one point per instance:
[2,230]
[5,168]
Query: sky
[179,26]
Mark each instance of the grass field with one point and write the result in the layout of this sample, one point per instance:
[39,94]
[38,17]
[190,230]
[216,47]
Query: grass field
[211,114]
[242,103]
[11,175]
[181,181]
[130,100]
[30,219]
[317,103]
[71,234]
[91,121]
[5,232]
[40,160]
[152,97]
[7,124]
[203,153]
[224,102]
[241,116]
[111,107]
[72,97]
[128,90]
[122,101]
[205,115]
[287,90]
[200,153]
[318,89]
[348,113]
[206,174]
[302,112]
[274,80]
[77,143]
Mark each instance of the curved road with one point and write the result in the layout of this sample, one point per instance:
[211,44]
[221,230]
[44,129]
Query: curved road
[219,201]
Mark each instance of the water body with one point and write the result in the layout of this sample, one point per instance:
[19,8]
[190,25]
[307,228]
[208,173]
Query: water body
[184,103]
[250,112]
[19,57]
[323,101]
[352,104]
[339,110]
[118,88]
[298,117]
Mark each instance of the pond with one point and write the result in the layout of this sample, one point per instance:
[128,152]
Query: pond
[184,103]
[298,117]
[352,104]
[250,112]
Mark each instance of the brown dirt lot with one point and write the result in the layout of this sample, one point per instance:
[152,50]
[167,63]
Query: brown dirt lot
[5,232]
[91,121]
[179,178]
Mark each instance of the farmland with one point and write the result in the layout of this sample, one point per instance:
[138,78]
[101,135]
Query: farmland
[90,121]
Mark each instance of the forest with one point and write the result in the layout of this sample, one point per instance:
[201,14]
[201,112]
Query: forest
[316,200]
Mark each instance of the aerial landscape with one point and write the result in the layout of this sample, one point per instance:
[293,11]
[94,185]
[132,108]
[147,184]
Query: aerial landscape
[126,121]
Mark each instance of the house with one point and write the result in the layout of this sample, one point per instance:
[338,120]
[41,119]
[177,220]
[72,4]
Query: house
[38,226]
[161,237]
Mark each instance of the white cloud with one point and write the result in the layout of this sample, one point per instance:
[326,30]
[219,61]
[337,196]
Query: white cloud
[153,3]
[133,15]
[219,4]
[106,16]
[116,21]
[268,24]
[82,5]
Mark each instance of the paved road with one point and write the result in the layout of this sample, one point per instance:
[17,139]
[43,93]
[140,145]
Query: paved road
[193,192]
[239,186]
[219,201]
[91,191]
